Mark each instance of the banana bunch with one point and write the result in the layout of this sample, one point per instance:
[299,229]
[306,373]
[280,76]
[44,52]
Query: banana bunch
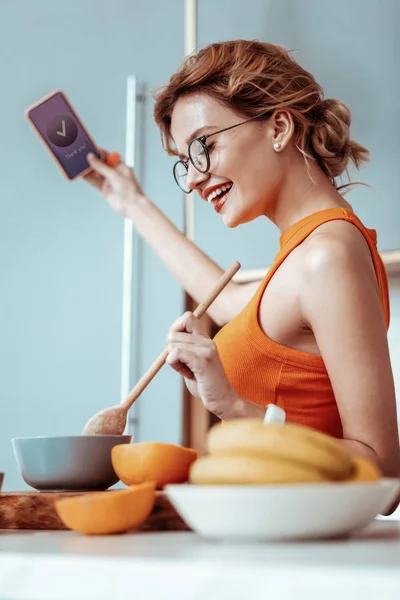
[249,451]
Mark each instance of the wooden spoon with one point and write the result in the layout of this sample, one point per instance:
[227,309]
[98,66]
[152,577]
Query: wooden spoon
[112,421]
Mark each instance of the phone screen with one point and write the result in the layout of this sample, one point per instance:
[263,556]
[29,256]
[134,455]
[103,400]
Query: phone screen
[63,133]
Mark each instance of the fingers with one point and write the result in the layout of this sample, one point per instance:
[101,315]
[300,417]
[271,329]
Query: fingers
[112,159]
[95,179]
[188,348]
[188,360]
[100,167]
[179,366]
[123,169]
[194,357]
[187,322]
[186,338]
[103,170]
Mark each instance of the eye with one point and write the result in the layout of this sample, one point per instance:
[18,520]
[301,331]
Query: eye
[210,147]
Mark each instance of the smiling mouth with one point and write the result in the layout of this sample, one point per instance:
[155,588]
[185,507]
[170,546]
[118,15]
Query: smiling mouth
[219,192]
[219,202]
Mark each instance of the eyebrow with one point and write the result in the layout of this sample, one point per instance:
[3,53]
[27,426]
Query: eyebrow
[195,135]
[198,131]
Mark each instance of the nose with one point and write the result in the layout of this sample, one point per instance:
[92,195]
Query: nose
[195,178]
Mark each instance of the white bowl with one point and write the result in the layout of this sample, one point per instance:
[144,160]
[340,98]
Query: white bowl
[279,512]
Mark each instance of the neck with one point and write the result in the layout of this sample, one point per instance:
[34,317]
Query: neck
[302,193]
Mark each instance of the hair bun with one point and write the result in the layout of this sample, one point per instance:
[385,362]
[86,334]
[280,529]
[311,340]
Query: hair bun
[330,138]
[253,79]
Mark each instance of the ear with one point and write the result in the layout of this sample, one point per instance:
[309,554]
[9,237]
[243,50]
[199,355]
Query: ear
[282,127]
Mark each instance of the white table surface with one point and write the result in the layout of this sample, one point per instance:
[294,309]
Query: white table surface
[65,565]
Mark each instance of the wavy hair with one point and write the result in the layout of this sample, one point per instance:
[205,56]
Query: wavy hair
[254,79]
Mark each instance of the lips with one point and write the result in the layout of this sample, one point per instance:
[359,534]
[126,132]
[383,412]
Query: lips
[218,204]
[212,188]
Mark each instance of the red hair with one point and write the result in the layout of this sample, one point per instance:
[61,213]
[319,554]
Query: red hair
[254,79]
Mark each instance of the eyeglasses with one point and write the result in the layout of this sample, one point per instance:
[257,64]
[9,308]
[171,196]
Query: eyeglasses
[199,157]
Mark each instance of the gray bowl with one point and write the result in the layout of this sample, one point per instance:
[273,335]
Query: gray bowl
[68,463]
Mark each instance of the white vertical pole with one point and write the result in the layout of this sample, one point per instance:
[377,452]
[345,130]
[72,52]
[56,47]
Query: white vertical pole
[126,338]
[190,47]
[190,26]
[189,212]
[128,256]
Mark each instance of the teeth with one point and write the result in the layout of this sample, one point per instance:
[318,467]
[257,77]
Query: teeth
[219,191]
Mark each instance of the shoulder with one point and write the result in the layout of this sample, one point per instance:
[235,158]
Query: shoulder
[336,248]
[337,272]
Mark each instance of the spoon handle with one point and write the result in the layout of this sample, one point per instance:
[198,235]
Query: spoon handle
[199,312]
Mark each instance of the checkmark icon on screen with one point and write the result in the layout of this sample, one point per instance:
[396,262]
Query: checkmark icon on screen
[61,130]
[63,133]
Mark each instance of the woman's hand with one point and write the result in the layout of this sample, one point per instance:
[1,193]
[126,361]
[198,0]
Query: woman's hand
[193,354]
[118,184]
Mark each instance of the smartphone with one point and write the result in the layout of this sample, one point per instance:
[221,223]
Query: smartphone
[63,133]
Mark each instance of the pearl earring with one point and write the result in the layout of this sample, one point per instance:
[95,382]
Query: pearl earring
[277,146]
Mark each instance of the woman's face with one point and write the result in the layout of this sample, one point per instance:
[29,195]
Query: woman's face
[243,157]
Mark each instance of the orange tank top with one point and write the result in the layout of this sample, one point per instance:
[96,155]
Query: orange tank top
[264,371]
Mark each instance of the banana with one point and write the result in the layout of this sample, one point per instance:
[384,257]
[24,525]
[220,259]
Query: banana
[237,469]
[363,470]
[290,442]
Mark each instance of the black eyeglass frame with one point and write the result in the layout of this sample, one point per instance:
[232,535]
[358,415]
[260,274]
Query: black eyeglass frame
[202,139]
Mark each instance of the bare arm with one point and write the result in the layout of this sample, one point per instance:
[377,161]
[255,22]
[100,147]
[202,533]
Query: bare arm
[196,272]
[191,267]
[340,303]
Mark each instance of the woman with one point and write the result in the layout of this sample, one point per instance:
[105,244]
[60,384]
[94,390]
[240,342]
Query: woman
[254,136]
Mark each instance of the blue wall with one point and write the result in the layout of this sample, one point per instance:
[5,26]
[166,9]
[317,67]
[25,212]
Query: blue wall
[353,50]
[61,245]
